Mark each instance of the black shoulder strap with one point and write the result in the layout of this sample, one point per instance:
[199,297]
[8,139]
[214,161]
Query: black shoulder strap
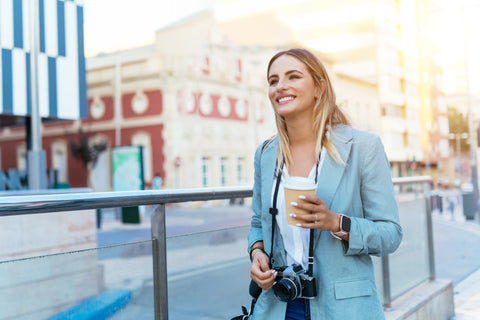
[274,211]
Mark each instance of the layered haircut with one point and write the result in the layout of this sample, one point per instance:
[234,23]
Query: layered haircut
[325,114]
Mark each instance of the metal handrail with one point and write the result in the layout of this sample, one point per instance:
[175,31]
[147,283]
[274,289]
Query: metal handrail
[413,179]
[17,205]
[36,204]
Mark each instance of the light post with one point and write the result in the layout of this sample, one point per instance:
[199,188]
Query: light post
[471,128]
[36,159]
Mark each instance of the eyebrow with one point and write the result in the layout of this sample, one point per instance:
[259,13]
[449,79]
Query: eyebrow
[286,73]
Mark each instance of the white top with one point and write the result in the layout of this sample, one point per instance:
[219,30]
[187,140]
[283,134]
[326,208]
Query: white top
[295,239]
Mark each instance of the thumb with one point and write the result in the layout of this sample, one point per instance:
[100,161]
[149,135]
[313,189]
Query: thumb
[264,264]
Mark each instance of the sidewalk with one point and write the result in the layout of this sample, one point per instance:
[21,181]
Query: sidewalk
[467,298]
[467,292]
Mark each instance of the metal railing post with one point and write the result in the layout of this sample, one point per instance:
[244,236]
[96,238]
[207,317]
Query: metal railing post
[431,255]
[159,251]
[387,292]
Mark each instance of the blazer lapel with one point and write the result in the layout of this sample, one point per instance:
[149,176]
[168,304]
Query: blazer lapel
[332,171]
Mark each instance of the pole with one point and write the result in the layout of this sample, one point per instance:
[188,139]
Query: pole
[160,262]
[118,101]
[36,159]
[471,130]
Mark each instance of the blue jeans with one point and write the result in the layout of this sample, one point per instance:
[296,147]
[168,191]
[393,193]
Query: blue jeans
[298,309]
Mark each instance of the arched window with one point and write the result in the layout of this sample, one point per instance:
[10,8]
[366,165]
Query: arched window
[21,157]
[59,160]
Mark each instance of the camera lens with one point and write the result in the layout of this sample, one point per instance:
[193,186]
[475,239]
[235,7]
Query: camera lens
[286,290]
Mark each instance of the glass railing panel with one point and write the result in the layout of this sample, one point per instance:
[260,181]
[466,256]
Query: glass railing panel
[409,265]
[105,281]
[377,264]
[208,274]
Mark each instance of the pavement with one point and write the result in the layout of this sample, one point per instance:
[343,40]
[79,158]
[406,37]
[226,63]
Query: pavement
[467,291]
[467,298]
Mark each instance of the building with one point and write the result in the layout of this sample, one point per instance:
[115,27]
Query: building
[198,107]
[381,42]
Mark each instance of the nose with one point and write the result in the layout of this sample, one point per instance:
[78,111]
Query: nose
[281,85]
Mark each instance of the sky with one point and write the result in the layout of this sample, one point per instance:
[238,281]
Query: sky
[112,25]
[455,32]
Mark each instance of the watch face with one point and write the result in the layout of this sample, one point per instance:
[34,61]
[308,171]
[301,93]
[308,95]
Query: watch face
[346,223]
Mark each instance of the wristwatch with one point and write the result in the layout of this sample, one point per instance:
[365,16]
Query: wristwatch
[345,224]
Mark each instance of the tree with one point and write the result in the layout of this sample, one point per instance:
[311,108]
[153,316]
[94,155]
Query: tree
[85,151]
[458,123]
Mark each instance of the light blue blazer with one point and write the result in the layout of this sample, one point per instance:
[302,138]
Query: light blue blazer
[362,189]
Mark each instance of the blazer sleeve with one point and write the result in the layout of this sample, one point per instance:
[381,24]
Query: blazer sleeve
[378,232]
[256,221]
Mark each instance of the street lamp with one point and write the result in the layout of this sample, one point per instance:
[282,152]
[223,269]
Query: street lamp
[37,167]
[471,128]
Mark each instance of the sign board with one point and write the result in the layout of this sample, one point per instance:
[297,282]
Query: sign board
[61,60]
[127,168]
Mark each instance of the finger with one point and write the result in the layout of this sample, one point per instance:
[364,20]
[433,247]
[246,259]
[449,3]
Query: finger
[309,225]
[262,261]
[311,199]
[309,217]
[268,285]
[309,207]
[264,279]
[304,218]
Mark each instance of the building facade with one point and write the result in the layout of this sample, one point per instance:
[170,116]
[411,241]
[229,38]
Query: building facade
[384,44]
[198,107]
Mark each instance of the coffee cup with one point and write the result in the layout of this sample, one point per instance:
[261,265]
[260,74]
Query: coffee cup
[294,187]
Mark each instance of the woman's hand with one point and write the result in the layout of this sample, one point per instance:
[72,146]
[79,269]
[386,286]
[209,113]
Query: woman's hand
[260,272]
[320,216]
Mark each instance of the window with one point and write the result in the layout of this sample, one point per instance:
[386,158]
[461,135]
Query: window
[139,102]
[205,169]
[59,160]
[240,164]
[223,171]
[21,158]
[97,109]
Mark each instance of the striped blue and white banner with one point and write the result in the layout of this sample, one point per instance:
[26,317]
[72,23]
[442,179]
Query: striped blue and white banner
[61,60]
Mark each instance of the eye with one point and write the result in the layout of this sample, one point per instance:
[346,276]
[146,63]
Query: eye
[295,76]
[273,81]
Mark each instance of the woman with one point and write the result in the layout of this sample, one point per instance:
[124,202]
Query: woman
[353,213]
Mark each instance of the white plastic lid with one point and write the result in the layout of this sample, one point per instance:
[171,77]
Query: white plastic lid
[299,183]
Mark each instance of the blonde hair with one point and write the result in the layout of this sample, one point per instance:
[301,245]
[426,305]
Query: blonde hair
[325,111]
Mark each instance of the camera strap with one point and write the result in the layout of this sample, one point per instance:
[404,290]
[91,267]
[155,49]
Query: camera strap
[274,211]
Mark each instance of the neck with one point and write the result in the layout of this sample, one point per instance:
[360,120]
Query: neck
[301,132]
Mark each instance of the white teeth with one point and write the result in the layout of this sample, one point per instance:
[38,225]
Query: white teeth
[285,99]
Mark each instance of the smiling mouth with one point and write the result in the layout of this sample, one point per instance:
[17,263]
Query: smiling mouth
[285,99]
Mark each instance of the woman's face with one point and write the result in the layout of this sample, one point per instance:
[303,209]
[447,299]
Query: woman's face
[292,90]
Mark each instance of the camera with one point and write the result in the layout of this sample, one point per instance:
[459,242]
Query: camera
[293,282]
